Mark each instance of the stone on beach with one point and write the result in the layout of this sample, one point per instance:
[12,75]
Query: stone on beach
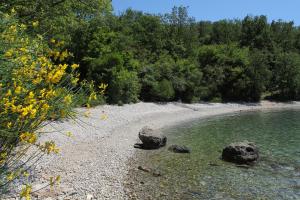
[151,139]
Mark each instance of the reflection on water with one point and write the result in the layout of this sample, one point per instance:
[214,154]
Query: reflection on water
[202,175]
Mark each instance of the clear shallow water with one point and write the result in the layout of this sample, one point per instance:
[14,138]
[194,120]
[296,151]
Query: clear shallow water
[202,175]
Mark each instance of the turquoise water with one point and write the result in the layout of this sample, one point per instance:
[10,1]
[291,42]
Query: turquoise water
[202,175]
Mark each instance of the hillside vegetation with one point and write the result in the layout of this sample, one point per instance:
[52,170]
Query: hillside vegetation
[172,56]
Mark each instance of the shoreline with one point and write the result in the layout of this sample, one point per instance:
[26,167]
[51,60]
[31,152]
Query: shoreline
[95,161]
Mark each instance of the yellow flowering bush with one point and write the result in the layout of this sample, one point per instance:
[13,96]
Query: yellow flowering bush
[35,85]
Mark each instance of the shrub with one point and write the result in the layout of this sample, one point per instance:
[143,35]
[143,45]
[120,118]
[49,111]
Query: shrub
[187,81]
[34,86]
[163,90]
[124,87]
[86,95]
[167,80]
[153,75]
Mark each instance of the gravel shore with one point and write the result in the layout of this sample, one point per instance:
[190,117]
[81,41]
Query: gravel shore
[93,162]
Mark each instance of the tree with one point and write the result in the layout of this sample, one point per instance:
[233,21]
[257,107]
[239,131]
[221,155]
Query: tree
[225,32]
[286,76]
[256,33]
[283,34]
[182,35]
[57,18]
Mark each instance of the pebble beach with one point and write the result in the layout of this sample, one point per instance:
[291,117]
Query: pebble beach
[93,162]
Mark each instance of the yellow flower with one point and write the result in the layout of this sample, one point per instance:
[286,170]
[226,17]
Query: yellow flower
[50,147]
[23,49]
[75,80]
[50,94]
[24,60]
[8,93]
[35,24]
[23,26]
[61,43]
[58,179]
[18,90]
[63,55]
[26,191]
[74,66]
[33,113]
[68,99]
[13,28]
[31,95]
[37,80]
[55,76]
[45,107]
[52,181]
[102,88]
[3,157]
[92,96]
[9,124]
[28,110]
[26,174]
[28,137]
[10,176]
[9,53]
[69,134]
[52,41]
[87,114]
[103,117]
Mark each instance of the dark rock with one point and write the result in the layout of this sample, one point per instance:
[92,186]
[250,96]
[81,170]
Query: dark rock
[150,139]
[144,169]
[156,173]
[179,149]
[241,153]
[275,166]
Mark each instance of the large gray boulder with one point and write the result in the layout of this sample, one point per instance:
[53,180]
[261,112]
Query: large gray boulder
[151,139]
[241,153]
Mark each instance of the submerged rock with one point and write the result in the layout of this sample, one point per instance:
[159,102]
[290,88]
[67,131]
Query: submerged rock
[241,153]
[144,169]
[179,149]
[155,173]
[150,139]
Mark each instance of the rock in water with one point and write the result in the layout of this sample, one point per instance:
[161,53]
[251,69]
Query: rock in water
[144,169]
[179,149]
[150,139]
[241,153]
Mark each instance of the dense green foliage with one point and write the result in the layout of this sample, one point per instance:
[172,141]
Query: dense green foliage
[171,57]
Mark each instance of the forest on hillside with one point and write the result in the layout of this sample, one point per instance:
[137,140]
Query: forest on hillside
[170,57]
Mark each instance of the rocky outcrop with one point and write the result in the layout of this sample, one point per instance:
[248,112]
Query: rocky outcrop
[150,139]
[241,153]
[179,149]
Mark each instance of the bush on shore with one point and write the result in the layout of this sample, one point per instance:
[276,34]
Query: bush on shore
[36,84]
